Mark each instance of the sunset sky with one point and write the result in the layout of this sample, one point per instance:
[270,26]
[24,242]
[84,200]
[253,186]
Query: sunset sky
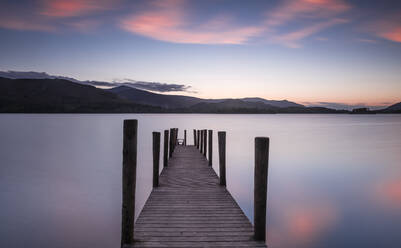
[314,52]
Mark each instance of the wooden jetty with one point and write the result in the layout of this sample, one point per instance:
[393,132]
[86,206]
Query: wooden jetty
[189,205]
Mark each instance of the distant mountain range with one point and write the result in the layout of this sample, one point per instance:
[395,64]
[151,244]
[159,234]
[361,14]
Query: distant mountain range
[65,96]
[178,101]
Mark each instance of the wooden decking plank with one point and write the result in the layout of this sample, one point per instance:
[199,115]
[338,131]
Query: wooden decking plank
[191,209]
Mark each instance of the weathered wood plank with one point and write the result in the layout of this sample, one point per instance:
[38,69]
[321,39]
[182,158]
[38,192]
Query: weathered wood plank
[191,209]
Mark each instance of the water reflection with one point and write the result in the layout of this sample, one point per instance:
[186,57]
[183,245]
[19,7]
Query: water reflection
[300,219]
[334,180]
[389,194]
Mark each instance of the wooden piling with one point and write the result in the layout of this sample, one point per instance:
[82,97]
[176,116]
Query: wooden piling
[171,142]
[260,186]
[175,137]
[204,142]
[185,137]
[194,137]
[197,139]
[165,149]
[201,142]
[130,138]
[156,158]
[210,147]
[222,157]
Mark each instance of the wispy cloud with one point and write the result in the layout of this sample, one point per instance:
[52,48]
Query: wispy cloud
[292,39]
[54,16]
[314,16]
[291,10]
[170,21]
[371,41]
[69,8]
[388,28]
[287,23]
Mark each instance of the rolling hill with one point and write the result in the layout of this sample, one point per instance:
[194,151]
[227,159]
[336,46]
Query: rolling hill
[61,96]
[275,103]
[154,99]
[396,108]
[181,102]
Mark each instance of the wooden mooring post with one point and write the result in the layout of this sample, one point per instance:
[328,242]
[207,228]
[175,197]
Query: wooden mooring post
[201,141]
[260,186]
[156,158]
[204,142]
[197,138]
[222,157]
[130,133]
[194,137]
[175,138]
[165,149]
[185,137]
[171,142]
[210,151]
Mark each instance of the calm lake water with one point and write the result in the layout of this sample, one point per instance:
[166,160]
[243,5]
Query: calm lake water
[334,180]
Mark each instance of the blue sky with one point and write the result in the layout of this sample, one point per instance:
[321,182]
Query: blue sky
[308,51]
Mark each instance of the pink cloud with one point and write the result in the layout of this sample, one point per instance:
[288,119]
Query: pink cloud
[54,16]
[171,21]
[393,34]
[323,13]
[388,28]
[292,10]
[168,21]
[292,39]
[69,8]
